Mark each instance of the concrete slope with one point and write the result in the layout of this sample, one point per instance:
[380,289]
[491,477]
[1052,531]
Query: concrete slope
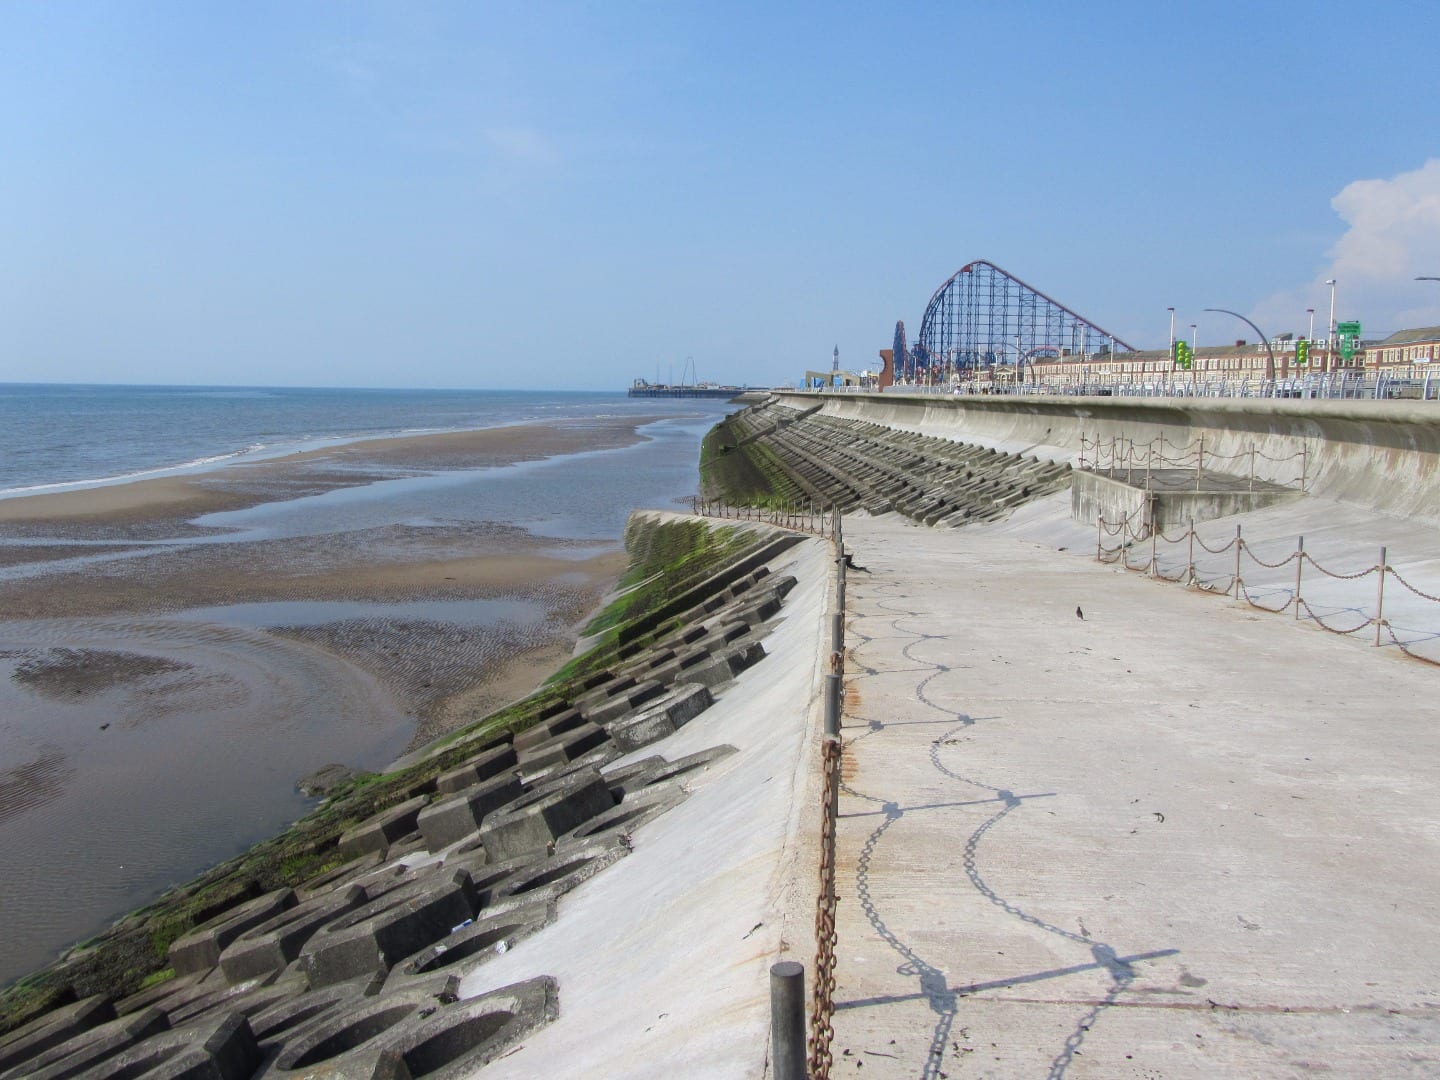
[663,961]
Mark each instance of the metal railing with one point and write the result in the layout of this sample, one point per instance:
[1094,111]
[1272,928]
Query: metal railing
[807,519]
[1134,534]
[1336,385]
[1120,454]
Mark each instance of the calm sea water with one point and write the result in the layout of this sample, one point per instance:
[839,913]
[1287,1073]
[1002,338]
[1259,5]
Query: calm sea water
[59,435]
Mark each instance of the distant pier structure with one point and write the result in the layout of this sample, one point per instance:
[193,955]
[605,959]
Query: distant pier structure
[640,388]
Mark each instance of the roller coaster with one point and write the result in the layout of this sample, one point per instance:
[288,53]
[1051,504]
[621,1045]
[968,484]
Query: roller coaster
[984,317]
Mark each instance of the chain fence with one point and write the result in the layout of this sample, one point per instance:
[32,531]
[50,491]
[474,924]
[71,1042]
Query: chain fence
[822,1010]
[1133,536]
[1121,454]
[807,519]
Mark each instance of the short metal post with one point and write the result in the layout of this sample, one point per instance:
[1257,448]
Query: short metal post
[1199,462]
[1099,544]
[1239,543]
[1150,502]
[832,703]
[787,1020]
[1252,466]
[1304,464]
[1299,565]
[1190,555]
[1380,599]
[837,632]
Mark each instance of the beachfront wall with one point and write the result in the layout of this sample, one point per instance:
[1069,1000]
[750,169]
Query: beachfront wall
[1381,454]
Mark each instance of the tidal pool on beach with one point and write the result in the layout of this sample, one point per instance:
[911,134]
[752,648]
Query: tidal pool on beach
[158,701]
[186,751]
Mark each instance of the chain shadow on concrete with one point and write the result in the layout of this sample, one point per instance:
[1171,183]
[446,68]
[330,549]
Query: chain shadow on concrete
[934,987]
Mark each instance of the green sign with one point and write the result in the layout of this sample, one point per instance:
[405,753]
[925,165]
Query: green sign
[1181,354]
[1302,353]
[1349,338]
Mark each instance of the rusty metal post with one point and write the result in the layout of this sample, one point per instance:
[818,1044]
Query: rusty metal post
[1252,466]
[1150,503]
[1380,599]
[1299,565]
[1199,462]
[1099,542]
[1190,555]
[1239,543]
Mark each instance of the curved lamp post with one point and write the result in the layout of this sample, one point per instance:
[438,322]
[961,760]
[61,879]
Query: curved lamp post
[1270,363]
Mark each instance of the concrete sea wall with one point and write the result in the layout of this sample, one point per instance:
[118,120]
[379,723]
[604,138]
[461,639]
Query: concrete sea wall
[1382,455]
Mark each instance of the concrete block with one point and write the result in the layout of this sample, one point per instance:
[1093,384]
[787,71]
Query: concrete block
[246,998]
[688,767]
[372,937]
[341,1043]
[622,703]
[594,759]
[473,945]
[339,875]
[481,767]
[721,669]
[55,1027]
[636,811]
[273,1023]
[546,730]
[89,1048]
[459,1039]
[273,944]
[378,832]
[662,717]
[200,949]
[222,1048]
[632,777]
[532,825]
[580,739]
[447,822]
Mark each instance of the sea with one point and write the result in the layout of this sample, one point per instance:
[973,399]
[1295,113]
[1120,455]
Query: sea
[54,437]
[109,797]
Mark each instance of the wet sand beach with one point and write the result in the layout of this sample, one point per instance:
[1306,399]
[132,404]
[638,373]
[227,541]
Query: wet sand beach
[175,653]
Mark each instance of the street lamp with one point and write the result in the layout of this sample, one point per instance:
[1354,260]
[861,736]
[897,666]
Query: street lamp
[1311,312]
[1270,362]
[1330,334]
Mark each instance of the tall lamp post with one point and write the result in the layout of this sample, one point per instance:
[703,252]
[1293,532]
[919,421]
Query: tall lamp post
[1330,334]
[1270,352]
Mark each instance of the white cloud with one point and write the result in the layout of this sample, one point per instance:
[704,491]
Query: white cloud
[1392,234]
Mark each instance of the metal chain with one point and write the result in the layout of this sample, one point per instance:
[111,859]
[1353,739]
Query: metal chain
[1423,595]
[1324,626]
[1264,607]
[1215,551]
[1271,566]
[1340,577]
[822,1008]
[1413,655]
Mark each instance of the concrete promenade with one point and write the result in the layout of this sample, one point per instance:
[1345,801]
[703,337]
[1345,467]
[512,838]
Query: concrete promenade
[1173,838]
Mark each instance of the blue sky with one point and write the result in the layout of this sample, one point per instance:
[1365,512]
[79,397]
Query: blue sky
[575,194]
